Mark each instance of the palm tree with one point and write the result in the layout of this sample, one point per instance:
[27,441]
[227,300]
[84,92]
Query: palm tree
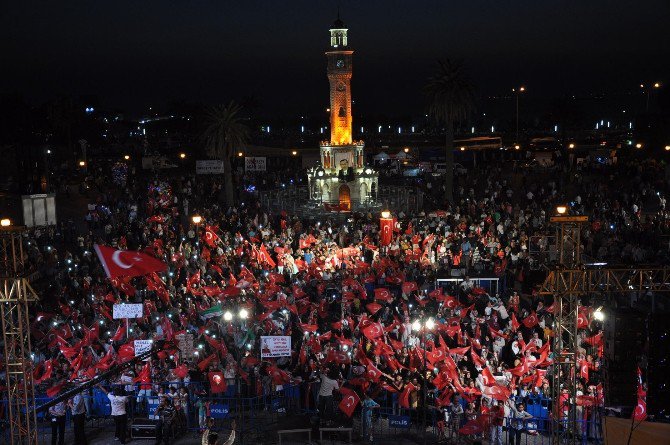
[451,97]
[224,133]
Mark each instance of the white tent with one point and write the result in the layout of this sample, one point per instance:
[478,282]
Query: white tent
[401,155]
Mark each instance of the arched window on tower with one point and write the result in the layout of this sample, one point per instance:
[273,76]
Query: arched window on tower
[342,113]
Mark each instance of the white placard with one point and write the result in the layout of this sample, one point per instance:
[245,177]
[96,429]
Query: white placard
[211,167]
[185,345]
[254,164]
[275,346]
[127,310]
[142,346]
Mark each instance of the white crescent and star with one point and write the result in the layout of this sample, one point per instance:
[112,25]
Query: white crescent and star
[116,257]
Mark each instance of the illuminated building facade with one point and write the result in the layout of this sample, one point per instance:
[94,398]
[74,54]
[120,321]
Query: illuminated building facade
[342,181]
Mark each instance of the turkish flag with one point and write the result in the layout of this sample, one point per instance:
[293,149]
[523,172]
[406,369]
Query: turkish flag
[408,286]
[51,392]
[476,359]
[145,374]
[487,377]
[216,382]
[373,373]
[383,294]
[385,231]
[349,401]
[210,236]
[181,371]
[584,369]
[515,323]
[497,392]
[203,364]
[531,320]
[583,318]
[594,340]
[373,330]
[640,411]
[472,427]
[120,333]
[128,263]
[373,308]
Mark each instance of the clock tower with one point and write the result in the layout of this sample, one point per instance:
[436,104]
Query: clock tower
[342,182]
[339,57]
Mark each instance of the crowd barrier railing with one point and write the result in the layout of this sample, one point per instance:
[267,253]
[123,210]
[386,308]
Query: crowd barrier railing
[256,409]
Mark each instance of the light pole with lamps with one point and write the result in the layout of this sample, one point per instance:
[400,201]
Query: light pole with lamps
[518,91]
[228,316]
[423,325]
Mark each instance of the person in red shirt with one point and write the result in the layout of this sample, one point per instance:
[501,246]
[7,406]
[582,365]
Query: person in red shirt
[497,414]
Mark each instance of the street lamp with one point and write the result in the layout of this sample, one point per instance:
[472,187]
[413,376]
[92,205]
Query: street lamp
[244,314]
[5,222]
[638,145]
[126,157]
[197,219]
[82,163]
[228,316]
[518,91]
[654,86]
[386,214]
[240,154]
[182,155]
[406,149]
[561,209]
[294,153]
[667,148]
[572,145]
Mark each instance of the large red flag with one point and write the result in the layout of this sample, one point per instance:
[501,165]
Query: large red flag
[497,392]
[128,263]
[349,401]
[216,382]
[385,231]
[373,330]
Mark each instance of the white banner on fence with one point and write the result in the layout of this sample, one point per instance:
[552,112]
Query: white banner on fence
[142,346]
[127,311]
[213,167]
[254,164]
[275,346]
[185,345]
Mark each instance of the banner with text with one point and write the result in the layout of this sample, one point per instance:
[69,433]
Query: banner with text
[142,346]
[211,167]
[123,310]
[254,164]
[275,346]
[185,345]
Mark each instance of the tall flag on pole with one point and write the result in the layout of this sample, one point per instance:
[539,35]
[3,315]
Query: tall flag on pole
[127,263]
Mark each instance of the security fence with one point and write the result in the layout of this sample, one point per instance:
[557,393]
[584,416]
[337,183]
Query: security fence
[259,414]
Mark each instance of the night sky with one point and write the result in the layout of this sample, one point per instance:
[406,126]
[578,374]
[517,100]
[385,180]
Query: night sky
[134,54]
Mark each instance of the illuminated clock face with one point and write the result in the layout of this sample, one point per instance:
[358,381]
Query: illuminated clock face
[339,63]
[341,87]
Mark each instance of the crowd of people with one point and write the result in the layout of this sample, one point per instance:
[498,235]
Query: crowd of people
[367,323]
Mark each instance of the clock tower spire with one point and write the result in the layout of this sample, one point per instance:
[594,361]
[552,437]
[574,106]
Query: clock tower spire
[341,182]
[339,57]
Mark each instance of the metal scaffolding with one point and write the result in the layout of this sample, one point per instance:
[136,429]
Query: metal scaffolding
[565,342]
[15,293]
[567,283]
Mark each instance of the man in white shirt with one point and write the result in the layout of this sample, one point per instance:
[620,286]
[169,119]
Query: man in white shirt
[328,385]
[118,402]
